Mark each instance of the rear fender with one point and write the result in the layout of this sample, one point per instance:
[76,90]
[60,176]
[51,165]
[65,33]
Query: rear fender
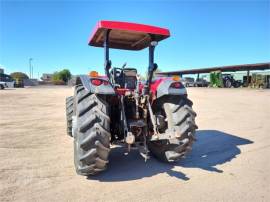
[85,80]
[165,89]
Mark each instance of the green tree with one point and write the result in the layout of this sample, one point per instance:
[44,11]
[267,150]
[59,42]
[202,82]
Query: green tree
[65,75]
[55,77]
[62,77]
[19,76]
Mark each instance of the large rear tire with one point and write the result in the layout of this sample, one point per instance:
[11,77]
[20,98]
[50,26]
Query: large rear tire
[91,133]
[180,118]
[69,114]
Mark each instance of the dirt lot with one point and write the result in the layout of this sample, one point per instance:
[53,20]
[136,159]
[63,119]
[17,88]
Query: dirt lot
[229,162]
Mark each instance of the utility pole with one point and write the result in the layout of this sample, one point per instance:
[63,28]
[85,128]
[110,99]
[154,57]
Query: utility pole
[32,70]
[30,67]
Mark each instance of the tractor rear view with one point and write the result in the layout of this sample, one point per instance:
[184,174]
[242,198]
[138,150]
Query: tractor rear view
[154,116]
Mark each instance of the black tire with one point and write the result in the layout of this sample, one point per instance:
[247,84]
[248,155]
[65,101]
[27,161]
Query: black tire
[228,84]
[69,114]
[2,87]
[91,133]
[180,119]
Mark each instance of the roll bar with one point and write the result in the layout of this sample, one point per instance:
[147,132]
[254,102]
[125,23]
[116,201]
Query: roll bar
[151,67]
[107,63]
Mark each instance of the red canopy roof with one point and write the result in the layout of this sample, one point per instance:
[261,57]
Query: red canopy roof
[125,35]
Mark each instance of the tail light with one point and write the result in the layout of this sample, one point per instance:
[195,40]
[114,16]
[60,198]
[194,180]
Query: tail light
[96,82]
[176,85]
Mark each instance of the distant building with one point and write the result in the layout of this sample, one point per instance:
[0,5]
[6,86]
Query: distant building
[1,71]
[30,82]
[46,77]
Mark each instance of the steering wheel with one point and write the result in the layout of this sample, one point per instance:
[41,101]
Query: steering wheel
[124,65]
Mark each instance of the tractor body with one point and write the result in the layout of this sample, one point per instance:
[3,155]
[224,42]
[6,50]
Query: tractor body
[154,116]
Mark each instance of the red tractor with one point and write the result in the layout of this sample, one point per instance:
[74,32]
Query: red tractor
[155,116]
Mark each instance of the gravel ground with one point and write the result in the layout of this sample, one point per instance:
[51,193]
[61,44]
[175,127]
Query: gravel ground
[229,162]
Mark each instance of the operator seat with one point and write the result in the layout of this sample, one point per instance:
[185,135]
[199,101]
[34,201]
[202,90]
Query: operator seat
[124,77]
[130,79]
[117,76]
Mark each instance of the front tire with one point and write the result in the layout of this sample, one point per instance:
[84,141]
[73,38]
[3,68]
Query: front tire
[91,133]
[180,118]
[228,84]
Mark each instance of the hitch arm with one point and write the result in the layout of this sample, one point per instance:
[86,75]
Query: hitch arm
[153,120]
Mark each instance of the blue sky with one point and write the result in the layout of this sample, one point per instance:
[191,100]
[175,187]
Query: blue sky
[203,34]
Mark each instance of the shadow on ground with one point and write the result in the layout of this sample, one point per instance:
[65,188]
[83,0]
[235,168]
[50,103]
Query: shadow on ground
[212,148]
